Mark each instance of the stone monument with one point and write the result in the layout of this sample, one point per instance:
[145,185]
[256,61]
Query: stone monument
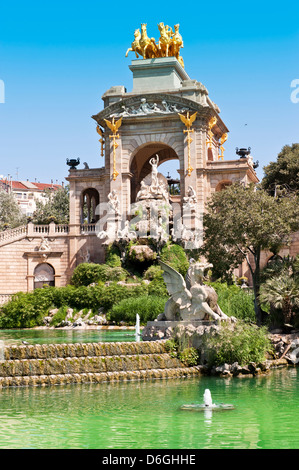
[191,303]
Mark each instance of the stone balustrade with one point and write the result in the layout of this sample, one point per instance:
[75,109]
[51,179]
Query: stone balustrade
[34,230]
[13,234]
[87,228]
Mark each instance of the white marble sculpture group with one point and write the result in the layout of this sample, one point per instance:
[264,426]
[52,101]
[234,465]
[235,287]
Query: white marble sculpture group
[190,298]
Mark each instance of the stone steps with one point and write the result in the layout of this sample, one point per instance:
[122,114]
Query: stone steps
[58,364]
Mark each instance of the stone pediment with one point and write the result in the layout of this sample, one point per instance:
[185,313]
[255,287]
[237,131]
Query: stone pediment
[152,105]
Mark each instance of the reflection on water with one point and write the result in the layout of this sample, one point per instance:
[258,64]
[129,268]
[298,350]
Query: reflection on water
[48,336]
[147,415]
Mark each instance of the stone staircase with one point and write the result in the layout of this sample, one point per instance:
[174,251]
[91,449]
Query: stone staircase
[59,364]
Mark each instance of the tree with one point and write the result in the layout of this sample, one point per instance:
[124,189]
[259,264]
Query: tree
[240,222]
[282,292]
[10,213]
[283,175]
[54,209]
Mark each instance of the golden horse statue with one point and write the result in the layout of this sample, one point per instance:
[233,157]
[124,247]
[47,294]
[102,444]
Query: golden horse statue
[169,45]
[135,47]
[148,46]
[176,42]
[165,39]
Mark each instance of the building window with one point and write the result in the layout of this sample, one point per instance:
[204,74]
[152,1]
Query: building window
[44,273]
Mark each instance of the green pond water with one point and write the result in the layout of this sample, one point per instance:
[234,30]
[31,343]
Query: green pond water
[48,336]
[147,415]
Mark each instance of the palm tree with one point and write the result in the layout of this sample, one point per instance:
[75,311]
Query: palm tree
[282,293]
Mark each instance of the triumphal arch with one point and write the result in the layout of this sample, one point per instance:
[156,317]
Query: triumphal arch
[167,115]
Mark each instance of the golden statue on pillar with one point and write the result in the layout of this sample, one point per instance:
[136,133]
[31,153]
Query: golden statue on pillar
[114,126]
[211,124]
[101,140]
[169,44]
[222,140]
[188,121]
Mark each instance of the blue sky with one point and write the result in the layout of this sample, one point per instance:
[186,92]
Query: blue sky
[58,58]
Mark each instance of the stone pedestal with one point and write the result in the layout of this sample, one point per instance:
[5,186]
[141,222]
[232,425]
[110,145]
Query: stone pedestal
[158,330]
[164,73]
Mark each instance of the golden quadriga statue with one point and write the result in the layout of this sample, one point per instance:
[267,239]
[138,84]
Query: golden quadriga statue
[169,45]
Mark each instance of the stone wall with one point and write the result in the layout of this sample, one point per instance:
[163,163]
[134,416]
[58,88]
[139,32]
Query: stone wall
[54,364]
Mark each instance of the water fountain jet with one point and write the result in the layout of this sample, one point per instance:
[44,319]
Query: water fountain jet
[208,404]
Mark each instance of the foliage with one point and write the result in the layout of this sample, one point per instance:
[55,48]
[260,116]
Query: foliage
[59,316]
[158,287]
[282,293]
[189,357]
[179,347]
[113,256]
[147,306]
[27,310]
[88,273]
[243,343]
[153,272]
[175,256]
[280,290]
[283,173]
[11,215]
[234,301]
[239,223]
[55,207]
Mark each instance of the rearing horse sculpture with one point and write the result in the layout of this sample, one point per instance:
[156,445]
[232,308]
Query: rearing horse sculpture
[135,47]
[176,42]
[169,44]
[148,46]
[165,39]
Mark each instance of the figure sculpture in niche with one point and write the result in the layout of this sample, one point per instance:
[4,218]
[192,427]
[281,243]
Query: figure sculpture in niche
[113,202]
[154,164]
[190,200]
[190,299]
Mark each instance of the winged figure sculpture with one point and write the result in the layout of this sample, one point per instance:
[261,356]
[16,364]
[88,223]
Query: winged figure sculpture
[114,126]
[191,300]
[188,121]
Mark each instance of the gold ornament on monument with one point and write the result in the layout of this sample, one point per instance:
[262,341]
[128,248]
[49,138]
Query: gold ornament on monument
[101,140]
[188,121]
[211,124]
[222,140]
[169,44]
[114,126]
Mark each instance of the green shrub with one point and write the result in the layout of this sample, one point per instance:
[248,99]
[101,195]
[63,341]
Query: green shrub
[89,273]
[148,308]
[175,256]
[59,316]
[153,272]
[235,301]
[25,310]
[189,357]
[113,256]
[242,343]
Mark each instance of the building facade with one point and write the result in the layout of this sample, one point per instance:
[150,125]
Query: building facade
[166,116]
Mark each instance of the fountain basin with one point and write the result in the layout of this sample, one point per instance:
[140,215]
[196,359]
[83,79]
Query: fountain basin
[201,407]
[208,404]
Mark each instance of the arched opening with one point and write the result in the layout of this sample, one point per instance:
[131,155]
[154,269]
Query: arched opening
[44,273]
[223,184]
[169,163]
[89,201]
